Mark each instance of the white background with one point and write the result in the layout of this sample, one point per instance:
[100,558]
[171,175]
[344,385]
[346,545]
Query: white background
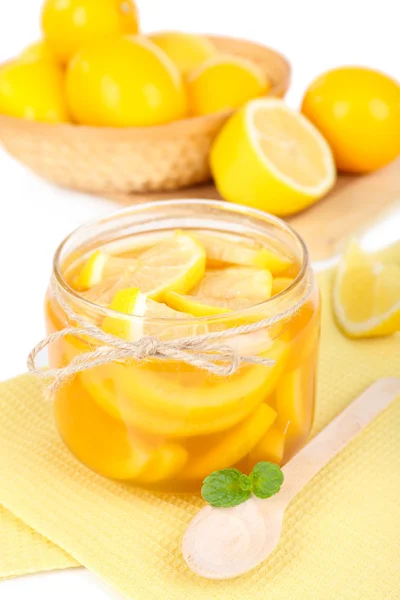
[34,216]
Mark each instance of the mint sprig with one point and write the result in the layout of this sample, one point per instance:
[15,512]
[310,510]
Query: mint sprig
[230,487]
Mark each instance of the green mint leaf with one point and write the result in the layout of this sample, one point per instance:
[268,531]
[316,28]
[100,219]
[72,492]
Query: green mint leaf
[225,488]
[267,479]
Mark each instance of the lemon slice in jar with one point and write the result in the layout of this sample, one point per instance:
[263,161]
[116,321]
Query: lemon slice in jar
[238,252]
[366,296]
[223,291]
[100,271]
[166,462]
[280,284]
[176,263]
[174,398]
[228,448]
[137,312]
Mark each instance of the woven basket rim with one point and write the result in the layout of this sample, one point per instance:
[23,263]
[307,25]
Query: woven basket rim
[189,124]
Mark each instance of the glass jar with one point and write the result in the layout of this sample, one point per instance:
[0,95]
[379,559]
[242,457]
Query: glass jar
[166,424]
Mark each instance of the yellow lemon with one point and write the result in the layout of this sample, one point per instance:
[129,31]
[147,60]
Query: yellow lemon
[358,112]
[122,82]
[33,90]
[38,51]
[187,50]
[69,24]
[366,296]
[270,157]
[223,83]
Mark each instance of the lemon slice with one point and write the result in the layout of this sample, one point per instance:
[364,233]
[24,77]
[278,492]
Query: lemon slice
[271,157]
[271,447]
[100,266]
[135,305]
[179,400]
[175,264]
[166,462]
[92,271]
[366,296]
[237,252]
[228,448]
[224,290]
[279,284]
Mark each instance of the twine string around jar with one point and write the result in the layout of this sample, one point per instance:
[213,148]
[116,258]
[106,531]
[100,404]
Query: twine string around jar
[206,351]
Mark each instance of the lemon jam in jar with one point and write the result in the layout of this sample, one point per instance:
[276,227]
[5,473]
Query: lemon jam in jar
[185,269]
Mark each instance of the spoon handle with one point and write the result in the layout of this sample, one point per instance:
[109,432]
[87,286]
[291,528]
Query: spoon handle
[333,438]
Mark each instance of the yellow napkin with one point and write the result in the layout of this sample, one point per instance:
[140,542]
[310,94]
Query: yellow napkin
[341,534]
[23,550]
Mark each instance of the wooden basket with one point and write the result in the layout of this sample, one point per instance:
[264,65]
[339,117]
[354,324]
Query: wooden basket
[108,160]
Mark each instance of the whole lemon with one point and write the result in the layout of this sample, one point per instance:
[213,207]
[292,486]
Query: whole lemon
[224,82]
[126,81]
[38,51]
[33,90]
[187,50]
[68,24]
[358,112]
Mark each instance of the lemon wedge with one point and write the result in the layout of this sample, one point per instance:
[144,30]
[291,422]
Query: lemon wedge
[366,296]
[271,157]
[224,290]
[238,252]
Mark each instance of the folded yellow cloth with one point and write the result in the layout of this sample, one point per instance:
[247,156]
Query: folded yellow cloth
[341,534]
[23,550]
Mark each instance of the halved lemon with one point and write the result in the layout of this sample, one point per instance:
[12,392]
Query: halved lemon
[271,157]
[224,290]
[224,82]
[235,251]
[366,295]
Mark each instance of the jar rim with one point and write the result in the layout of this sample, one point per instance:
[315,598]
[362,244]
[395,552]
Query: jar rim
[239,209]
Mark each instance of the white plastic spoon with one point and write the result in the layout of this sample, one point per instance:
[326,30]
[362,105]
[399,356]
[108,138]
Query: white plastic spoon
[222,543]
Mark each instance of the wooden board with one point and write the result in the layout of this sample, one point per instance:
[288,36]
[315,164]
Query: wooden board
[353,205]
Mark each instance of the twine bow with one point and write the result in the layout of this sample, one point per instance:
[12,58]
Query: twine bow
[206,351]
